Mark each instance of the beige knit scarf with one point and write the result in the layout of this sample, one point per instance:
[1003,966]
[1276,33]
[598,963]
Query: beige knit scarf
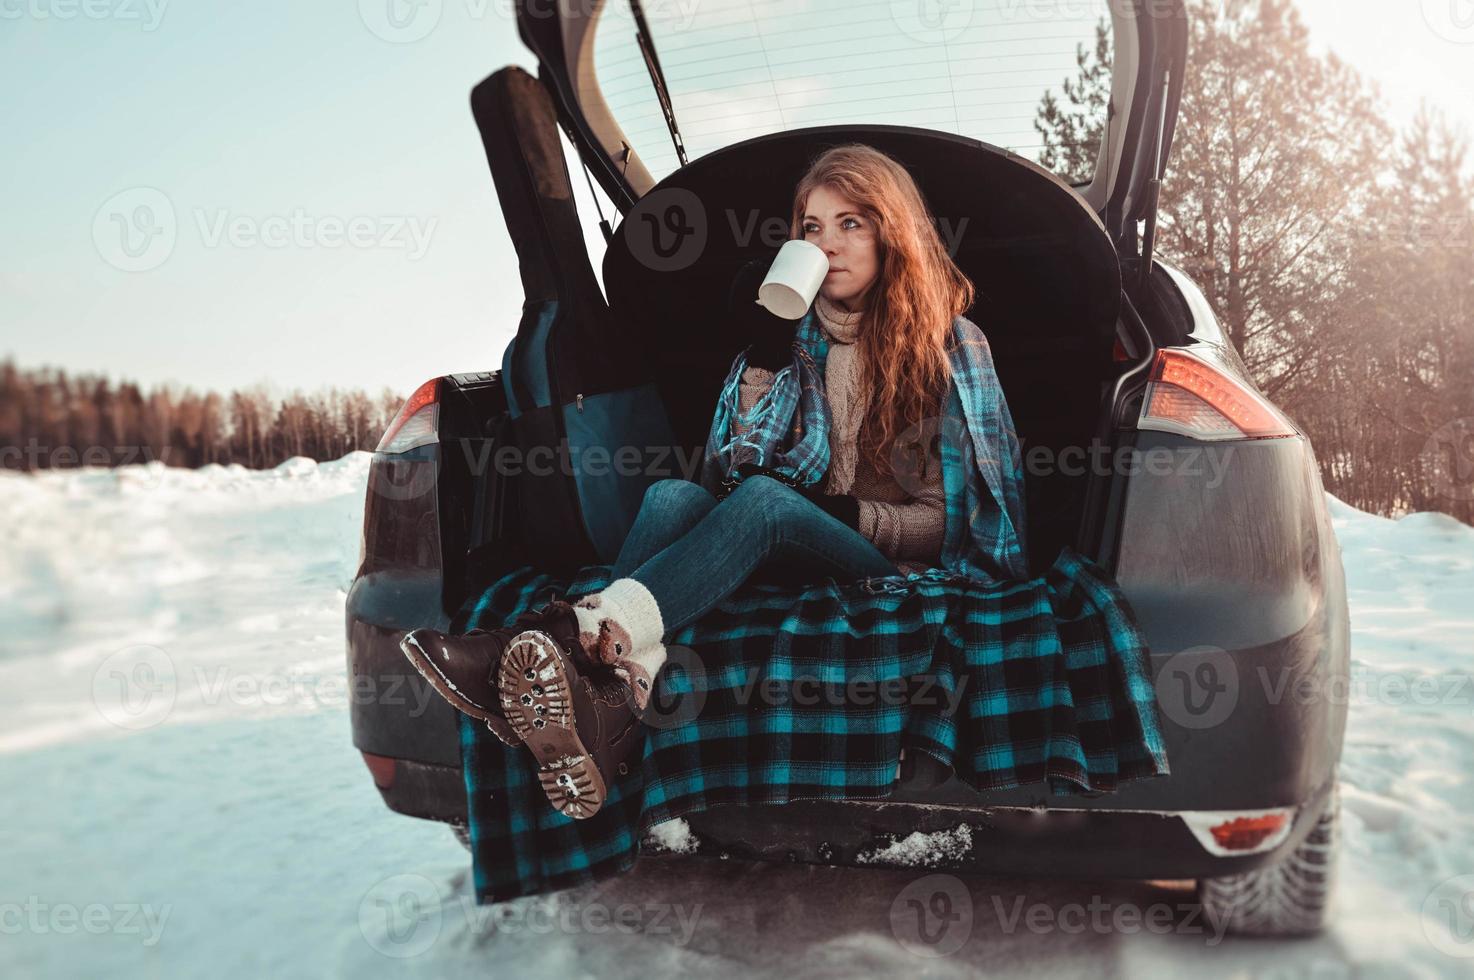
[848,400]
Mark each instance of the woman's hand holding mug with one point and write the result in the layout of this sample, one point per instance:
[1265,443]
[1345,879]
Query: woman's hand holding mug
[771,296]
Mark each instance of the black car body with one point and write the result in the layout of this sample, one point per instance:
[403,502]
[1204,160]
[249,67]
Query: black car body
[1224,546]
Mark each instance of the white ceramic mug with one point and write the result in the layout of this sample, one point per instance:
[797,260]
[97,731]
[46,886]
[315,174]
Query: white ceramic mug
[794,279]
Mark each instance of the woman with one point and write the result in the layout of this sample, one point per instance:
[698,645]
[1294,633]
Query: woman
[886,309]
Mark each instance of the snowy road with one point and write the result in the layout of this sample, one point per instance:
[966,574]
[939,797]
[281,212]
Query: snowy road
[182,799]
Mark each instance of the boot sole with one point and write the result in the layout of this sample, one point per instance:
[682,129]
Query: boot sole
[537,702]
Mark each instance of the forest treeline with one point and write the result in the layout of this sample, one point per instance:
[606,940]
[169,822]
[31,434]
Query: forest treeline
[1336,248]
[51,419]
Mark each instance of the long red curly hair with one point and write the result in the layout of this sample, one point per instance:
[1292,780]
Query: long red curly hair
[909,308]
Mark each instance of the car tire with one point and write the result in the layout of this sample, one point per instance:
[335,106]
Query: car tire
[1290,898]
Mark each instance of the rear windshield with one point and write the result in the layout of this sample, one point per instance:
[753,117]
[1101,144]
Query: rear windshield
[737,69]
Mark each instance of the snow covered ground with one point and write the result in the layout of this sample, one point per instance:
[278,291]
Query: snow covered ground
[181,797]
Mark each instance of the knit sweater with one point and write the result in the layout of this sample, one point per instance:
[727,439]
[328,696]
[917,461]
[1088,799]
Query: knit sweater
[907,526]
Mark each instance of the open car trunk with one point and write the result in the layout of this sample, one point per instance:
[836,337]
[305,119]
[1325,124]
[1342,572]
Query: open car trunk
[1049,300]
[641,363]
[1046,257]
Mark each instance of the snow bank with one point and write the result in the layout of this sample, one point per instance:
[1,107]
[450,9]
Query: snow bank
[182,794]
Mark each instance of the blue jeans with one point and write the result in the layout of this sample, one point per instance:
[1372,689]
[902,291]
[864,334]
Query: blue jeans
[691,550]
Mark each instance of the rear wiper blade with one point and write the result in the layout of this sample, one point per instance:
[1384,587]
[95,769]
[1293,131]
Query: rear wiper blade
[657,78]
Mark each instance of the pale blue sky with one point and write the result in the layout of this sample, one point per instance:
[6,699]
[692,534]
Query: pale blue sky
[267,128]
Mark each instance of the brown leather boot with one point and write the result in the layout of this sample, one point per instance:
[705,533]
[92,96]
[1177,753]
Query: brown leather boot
[463,667]
[532,683]
[580,725]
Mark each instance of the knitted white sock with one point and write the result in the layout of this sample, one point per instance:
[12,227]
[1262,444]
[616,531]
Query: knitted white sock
[619,620]
[622,627]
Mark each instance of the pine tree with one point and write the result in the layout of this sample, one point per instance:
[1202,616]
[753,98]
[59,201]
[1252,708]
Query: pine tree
[1338,259]
[1072,129]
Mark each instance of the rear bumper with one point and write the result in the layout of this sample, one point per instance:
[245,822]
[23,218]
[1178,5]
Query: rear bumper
[997,840]
[1060,843]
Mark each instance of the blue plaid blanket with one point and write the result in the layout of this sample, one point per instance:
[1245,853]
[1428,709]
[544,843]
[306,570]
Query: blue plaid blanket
[783,693]
[779,695]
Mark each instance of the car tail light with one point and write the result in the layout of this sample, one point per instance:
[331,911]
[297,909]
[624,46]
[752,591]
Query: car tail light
[382,768]
[417,421]
[1188,395]
[1224,834]
[1247,833]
